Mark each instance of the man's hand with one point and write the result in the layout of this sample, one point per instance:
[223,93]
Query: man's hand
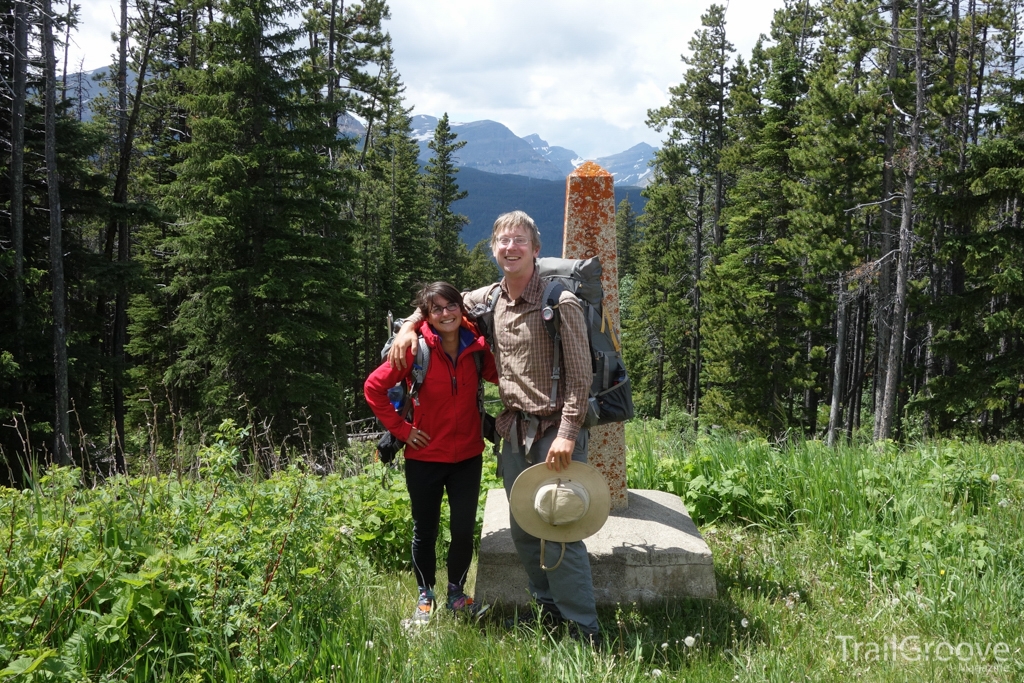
[560,454]
[404,340]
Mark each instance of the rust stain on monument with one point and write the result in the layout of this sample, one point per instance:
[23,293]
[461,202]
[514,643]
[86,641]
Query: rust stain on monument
[589,232]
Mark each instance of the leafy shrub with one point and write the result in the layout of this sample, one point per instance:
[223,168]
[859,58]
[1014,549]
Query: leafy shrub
[152,572]
[890,510]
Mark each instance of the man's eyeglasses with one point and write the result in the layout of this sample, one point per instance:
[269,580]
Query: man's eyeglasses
[518,240]
[450,308]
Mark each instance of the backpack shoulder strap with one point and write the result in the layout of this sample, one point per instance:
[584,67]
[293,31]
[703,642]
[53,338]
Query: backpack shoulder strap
[420,363]
[478,359]
[419,366]
[553,324]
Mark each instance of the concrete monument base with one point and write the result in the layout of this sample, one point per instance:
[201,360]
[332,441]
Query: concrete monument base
[650,551]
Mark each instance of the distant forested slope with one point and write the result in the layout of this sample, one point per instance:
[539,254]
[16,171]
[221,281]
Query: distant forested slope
[491,194]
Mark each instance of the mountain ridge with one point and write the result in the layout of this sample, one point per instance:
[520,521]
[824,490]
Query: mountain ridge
[492,147]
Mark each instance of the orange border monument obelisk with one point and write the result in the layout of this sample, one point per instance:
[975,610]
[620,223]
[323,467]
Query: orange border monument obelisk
[589,232]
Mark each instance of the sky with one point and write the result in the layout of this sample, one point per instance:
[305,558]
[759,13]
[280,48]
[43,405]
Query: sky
[580,73]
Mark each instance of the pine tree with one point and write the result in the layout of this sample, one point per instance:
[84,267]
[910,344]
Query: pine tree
[762,355]
[392,213]
[442,190]
[977,344]
[839,153]
[691,189]
[480,267]
[626,238]
[657,304]
[260,264]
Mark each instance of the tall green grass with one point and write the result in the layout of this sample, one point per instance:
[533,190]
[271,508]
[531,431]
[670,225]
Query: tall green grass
[925,540]
[295,577]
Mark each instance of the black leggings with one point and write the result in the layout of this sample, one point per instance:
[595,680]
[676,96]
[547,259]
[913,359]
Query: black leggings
[427,482]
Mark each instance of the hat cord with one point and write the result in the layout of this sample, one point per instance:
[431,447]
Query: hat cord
[560,557]
[542,541]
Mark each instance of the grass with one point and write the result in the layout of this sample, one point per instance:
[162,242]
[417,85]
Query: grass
[824,559]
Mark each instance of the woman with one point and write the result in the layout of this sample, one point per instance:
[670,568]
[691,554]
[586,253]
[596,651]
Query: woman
[443,444]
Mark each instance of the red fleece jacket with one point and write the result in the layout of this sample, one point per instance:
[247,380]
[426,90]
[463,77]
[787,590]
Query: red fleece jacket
[446,409]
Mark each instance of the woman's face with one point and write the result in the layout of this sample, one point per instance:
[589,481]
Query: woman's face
[444,315]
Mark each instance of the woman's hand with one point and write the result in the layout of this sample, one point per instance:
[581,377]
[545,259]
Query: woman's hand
[418,439]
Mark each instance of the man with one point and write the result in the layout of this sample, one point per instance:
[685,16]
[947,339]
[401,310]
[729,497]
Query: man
[533,430]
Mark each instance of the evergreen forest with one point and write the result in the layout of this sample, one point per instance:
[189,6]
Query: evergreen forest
[206,242]
[832,245]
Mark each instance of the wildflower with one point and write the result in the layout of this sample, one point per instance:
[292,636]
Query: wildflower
[345,530]
[1004,503]
[689,640]
[664,646]
[655,673]
[994,478]
[369,645]
[744,622]
[942,572]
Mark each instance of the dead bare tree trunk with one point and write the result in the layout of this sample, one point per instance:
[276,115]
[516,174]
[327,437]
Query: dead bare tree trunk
[835,414]
[61,427]
[883,335]
[899,317]
[698,257]
[118,227]
[18,168]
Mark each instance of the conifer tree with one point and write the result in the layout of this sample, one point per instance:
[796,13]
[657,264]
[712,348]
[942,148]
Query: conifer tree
[443,191]
[838,152]
[260,264]
[626,238]
[392,212]
[657,312]
[691,187]
[480,268]
[761,350]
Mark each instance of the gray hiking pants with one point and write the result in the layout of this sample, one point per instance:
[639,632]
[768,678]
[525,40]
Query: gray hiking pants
[570,587]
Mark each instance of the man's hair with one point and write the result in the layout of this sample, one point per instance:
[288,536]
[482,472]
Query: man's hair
[425,297]
[512,220]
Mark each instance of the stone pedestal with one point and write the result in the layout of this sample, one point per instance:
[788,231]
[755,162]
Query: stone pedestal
[649,551]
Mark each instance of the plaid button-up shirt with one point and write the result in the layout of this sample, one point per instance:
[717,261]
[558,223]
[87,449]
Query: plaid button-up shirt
[524,352]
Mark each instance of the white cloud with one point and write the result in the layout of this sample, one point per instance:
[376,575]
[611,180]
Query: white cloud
[580,73]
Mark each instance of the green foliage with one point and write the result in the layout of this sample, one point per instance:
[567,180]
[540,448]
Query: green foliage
[392,233]
[152,574]
[261,263]
[761,299]
[221,576]
[627,238]
[895,511]
[442,192]
[480,269]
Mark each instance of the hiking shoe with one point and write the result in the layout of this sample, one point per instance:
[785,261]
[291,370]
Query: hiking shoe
[594,640]
[460,603]
[424,608]
[542,614]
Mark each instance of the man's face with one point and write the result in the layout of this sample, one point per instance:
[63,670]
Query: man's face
[514,251]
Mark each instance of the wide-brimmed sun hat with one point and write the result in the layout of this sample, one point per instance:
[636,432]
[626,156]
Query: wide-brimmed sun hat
[563,506]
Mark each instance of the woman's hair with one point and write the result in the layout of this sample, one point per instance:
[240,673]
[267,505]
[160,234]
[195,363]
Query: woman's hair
[425,297]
